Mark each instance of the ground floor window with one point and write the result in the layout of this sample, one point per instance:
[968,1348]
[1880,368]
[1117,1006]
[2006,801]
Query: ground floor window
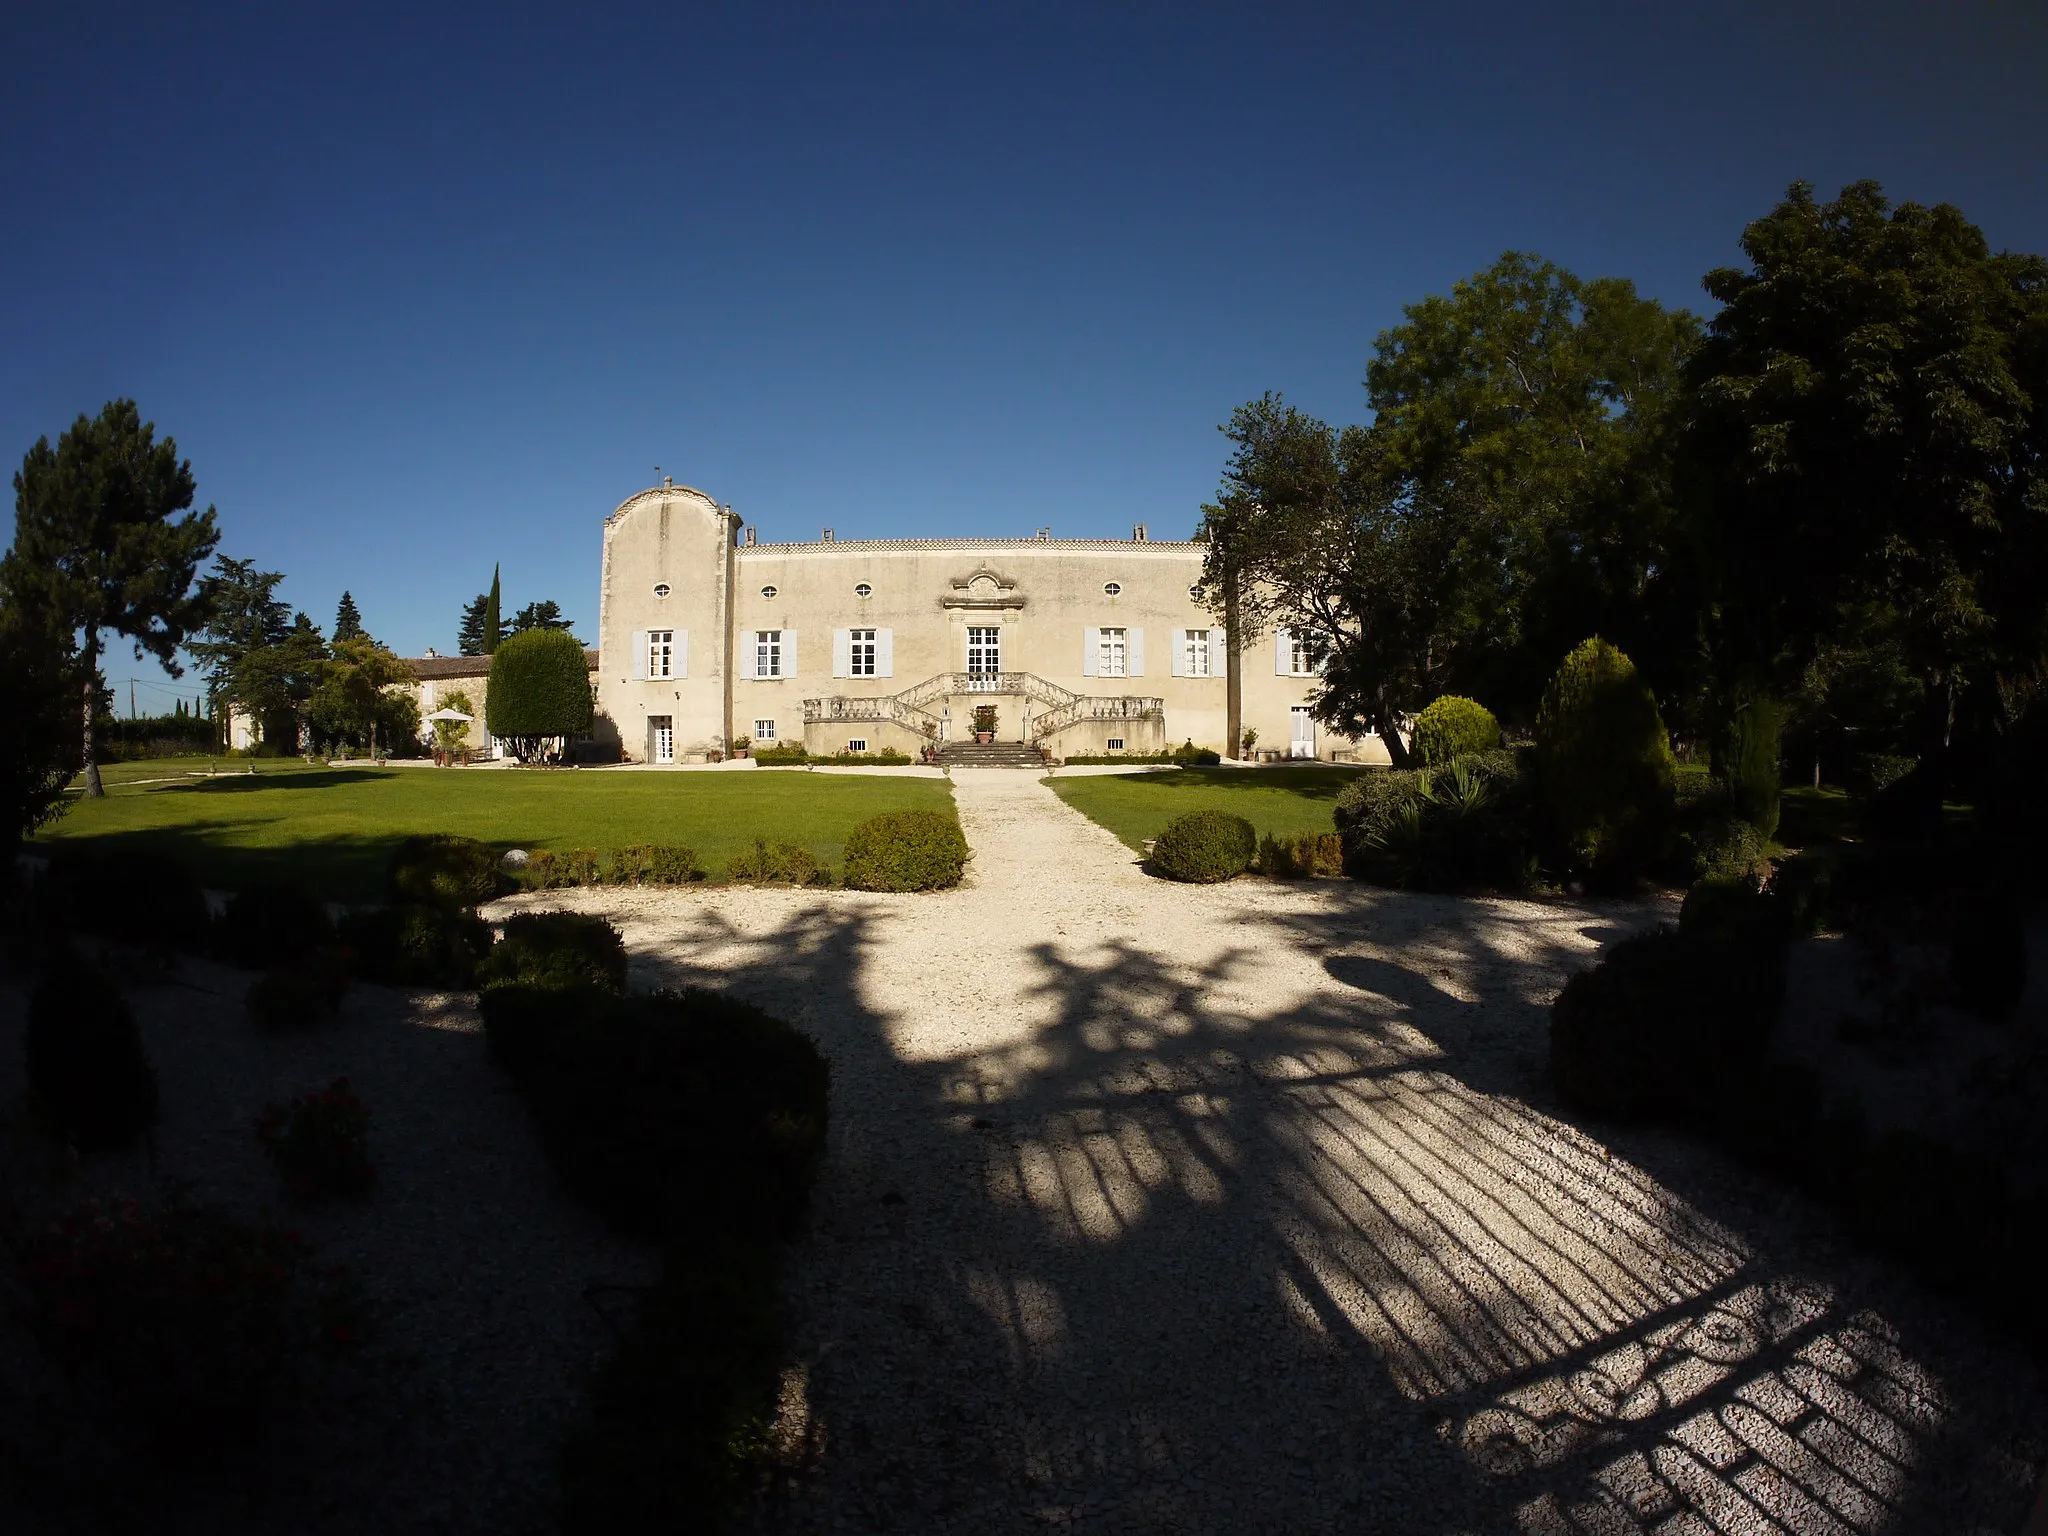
[764,730]
[1116,743]
[663,729]
[857,744]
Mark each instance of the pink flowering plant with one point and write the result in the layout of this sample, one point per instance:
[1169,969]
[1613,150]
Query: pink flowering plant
[187,1322]
[320,1143]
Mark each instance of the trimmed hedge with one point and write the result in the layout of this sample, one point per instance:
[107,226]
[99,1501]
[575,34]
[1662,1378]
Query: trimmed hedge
[442,870]
[652,864]
[87,1072]
[1451,728]
[130,896]
[671,1112]
[1302,857]
[777,863]
[539,688]
[1604,765]
[1204,847]
[556,950]
[414,946]
[273,924]
[905,851]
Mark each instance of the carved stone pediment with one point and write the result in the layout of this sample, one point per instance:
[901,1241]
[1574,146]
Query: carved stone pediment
[982,590]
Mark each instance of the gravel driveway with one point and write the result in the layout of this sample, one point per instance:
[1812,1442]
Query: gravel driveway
[1246,1208]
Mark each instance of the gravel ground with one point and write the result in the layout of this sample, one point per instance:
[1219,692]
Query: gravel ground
[1246,1208]
[1149,1208]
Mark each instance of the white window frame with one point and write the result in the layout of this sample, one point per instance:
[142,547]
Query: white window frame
[768,653]
[663,729]
[862,651]
[764,730]
[1196,659]
[990,647]
[1113,652]
[1299,664]
[661,653]
[857,744]
[1114,744]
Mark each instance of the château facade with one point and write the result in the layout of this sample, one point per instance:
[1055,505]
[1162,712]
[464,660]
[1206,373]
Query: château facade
[1082,646]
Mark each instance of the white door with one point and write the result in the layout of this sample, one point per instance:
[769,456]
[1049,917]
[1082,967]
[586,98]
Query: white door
[1304,743]
[664,738]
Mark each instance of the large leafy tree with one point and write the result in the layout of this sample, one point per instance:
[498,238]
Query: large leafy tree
[539,691]
[1866,434]
[243,615]
[1540,400]
[97,546]
[274,683]
[352,701]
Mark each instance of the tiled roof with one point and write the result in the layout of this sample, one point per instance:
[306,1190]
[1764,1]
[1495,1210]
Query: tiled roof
[433,667]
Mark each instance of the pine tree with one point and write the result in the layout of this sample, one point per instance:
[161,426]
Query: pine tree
[494,625]
[469,634]
[542,615]
[348,620]
[95,547]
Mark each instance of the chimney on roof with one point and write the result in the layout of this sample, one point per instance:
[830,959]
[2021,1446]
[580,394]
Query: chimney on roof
[668,482]
[1138,534]
[1045,535]
[431,654]
[828,535]
[750,538]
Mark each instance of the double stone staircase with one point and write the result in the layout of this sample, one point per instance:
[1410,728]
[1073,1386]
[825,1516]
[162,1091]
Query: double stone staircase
[1060,708]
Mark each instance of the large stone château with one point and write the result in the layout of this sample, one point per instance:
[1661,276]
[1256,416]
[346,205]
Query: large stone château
[1081,645]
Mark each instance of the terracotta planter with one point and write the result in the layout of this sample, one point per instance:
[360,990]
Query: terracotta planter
[738,753]
[984,737]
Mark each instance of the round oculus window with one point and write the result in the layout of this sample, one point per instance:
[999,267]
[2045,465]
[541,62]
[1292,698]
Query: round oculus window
[767,591]
[863,590]
[1195,593]
[661,589]
[1111,588]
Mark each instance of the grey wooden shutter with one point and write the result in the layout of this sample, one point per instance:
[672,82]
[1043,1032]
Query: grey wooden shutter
[789,653]
[748,655]
[682,653]
[885,653]
[842,653]
[1283,653]
[1134,653]
[1091,643]
[639,655]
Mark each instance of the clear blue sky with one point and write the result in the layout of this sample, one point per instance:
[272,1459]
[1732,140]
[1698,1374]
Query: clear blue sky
[417,292]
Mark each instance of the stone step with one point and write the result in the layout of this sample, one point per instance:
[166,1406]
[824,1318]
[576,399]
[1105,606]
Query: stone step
[996,754]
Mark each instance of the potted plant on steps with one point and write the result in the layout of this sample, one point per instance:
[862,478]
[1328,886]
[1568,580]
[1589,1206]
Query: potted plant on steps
[740,744]
[984,723]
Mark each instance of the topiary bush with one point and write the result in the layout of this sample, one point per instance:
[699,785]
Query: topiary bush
[670,1114]
[1204,847]
[273,924]
[442,870]
[1668,1020]
[905,851]
[414,946]
[1440,829]
[303,995]
[1747,764]
[777,862]
[88,1076]
[539,691]
[1453,727]
[1604,765]
[556,951]
[131,896]
[1188,755]
[652,864]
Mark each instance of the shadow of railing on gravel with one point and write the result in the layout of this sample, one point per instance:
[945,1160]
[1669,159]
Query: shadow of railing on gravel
[1544,1336]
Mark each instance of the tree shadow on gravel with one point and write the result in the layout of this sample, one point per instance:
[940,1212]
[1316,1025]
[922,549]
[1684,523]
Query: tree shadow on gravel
[1213,1253]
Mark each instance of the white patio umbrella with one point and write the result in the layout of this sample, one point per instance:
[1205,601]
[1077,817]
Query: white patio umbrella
[450,714]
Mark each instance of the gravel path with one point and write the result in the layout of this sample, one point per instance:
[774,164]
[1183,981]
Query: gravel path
[1232,1209]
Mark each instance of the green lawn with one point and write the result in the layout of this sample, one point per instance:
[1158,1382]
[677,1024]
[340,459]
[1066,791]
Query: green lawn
[334,828]
[1282,800]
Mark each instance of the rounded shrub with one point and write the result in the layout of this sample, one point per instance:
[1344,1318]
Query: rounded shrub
[275,924]
[539,690]
[1453,727]
[777,862]
[131,896]
[1204,847]
[87,1071]
[442,870]
[1604,764]
[1747,763]
[905,851]
[414,946]
[556,951]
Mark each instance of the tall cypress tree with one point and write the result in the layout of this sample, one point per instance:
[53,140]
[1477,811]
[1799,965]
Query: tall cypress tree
[95,547]
[348,619]
[494,626]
